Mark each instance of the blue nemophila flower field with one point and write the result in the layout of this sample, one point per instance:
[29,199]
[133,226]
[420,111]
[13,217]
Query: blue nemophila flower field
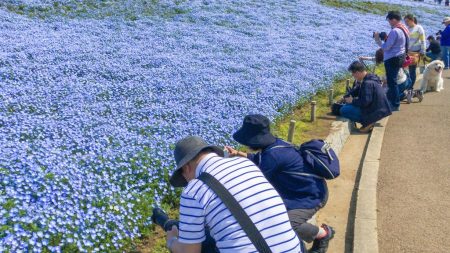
[91,104]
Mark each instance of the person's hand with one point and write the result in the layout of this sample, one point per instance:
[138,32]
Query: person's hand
[173,232]
[348,100]
[376,35]
[231,151]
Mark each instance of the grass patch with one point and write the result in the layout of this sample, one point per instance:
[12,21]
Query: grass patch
[131,10]
[374,7]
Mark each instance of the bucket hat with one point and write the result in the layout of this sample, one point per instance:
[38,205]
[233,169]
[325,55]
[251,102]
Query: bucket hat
[185,150]
[255,132]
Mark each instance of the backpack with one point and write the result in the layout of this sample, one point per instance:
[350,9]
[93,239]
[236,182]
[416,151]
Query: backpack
[321,158]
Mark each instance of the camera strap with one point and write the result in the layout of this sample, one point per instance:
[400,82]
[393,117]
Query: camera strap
[237,211]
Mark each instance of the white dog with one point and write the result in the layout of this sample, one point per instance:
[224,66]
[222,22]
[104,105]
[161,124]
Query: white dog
[432,77]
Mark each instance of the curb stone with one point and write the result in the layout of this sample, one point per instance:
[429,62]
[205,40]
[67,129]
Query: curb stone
[365,232]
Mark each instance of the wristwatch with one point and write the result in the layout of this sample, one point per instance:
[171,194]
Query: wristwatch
[170,242]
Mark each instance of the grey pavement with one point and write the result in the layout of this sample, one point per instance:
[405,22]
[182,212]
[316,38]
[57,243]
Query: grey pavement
[413,197]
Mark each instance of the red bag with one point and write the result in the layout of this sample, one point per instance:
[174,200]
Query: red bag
[408,61]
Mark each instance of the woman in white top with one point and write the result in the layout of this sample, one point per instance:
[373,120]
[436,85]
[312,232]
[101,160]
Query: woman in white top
[417,42]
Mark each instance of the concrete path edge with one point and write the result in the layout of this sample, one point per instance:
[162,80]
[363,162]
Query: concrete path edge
[365,231]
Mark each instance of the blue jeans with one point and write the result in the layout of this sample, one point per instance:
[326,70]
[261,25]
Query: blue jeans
[445,55]
[433,56]
[351,112]
[392,66]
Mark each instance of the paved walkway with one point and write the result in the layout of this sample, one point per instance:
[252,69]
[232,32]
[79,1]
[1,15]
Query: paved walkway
[340,208]
[414,177]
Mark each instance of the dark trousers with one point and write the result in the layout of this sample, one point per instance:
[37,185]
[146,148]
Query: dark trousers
[412,74]
[392,66]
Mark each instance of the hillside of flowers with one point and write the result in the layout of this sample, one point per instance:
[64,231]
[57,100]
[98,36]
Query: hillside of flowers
[94,95]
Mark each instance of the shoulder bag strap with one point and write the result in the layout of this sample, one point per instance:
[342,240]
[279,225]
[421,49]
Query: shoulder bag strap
[237,211]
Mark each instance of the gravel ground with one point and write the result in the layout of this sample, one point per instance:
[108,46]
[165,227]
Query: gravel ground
[414,177]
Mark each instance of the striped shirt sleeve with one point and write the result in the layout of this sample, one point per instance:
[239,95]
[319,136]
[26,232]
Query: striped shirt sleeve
[192,220]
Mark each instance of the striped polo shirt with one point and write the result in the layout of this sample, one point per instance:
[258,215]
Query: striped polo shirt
[200,207]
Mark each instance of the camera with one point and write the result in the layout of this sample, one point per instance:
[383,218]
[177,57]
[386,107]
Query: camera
[383,35]
[160,218]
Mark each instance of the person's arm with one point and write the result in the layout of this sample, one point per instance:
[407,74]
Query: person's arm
[366,58]
[268,165]
[191,232]
[422,39]
[365,97]
[234,152]
[392,37]
[175,246]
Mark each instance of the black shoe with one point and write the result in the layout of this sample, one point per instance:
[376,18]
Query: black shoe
[321,245]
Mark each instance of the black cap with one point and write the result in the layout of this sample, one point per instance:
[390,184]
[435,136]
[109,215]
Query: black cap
[255,132]
[185,150]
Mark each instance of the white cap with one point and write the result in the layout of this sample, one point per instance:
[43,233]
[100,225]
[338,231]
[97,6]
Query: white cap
[446,20]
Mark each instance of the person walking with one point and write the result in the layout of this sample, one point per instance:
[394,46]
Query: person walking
[445,42]
[394,55]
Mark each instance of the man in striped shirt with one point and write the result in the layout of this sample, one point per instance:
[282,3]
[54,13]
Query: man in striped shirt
[200,206]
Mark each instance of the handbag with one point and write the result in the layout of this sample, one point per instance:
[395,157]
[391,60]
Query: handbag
[415,57]
[336,109]
[408,59]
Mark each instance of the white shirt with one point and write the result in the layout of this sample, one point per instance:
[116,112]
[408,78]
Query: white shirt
[200,206]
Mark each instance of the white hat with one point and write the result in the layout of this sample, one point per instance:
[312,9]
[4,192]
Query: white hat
[446,20]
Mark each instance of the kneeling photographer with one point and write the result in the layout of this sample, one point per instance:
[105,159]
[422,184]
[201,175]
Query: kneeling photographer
[370,103]
[230,197]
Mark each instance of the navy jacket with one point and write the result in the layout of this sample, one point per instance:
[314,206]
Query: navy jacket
[372,100]
[445,36]
[297,192]
[354,91]
[434,47]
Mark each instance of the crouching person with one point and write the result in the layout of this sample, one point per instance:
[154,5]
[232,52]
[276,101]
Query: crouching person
[371,104]
[283,166]
[201,207]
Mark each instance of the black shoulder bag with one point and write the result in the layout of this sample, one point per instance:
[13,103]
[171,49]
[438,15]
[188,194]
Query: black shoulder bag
[237,211]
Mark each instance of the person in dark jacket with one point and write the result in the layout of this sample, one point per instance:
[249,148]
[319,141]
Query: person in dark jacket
[371,104]
[278,159]
[445,42]
[434,49]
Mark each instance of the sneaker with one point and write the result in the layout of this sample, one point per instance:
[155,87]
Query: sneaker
[409,95]
[321,245]
[419,95]
[367,128]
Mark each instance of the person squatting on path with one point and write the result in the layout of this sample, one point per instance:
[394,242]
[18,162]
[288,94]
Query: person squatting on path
[394,54]
[371,103]
[302,195]
[417,43]
[434,49]
[200,206]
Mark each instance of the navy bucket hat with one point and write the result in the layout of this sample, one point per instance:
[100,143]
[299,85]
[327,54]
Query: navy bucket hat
[185,150]
[255,132]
